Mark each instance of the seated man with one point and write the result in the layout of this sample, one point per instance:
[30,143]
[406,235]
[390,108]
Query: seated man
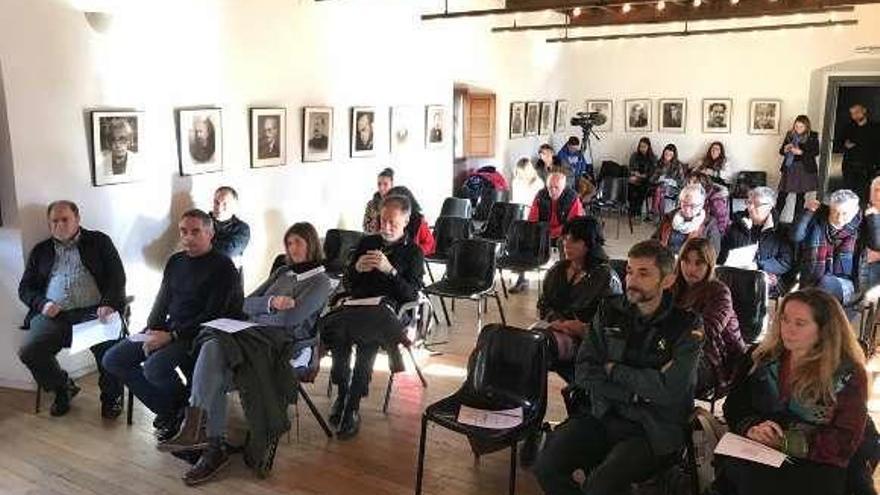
[689,220]
[231,235]
[74,276]
[637,368]
[828,238]
[390,266]
[199,284]
[285,307]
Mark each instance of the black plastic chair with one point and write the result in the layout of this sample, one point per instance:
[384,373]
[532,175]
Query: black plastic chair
[484,203]
[470,274]
[613,197]
[456,207]
[744,182]
[447,230]
[501,217]
[338,246]
[527,248]
[748,289]
[307,374]
[506,370]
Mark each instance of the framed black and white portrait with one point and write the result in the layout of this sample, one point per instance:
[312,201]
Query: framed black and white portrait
[764,116]
[406,129]
[717,113]
[268,132]
[561,116]
[317,136]
[517,119]
[673,115]
[200,140]
[435,126]
[546,117]
[533,118]
[638,115]
[605,114]
[363,131]
[117,144]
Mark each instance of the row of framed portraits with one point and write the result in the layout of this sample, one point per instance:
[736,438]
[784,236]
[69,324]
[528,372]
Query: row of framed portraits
[534,118]
[118,138]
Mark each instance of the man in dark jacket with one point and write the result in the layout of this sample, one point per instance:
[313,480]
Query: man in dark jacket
[198,285]
[636,369]
[860,141]
[231,234]
[387,266]
[74,276]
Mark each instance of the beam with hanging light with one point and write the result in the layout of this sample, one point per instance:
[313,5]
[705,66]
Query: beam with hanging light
[696,32]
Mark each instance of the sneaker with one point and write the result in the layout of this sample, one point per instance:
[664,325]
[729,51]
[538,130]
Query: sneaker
[111,409]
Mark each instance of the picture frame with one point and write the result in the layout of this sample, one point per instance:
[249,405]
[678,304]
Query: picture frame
[561,120]
[637,115]
[717,115]
[533,118]
[435,126]
[605,108]
[117,147]
[672,115]
[317,134]
[546,126]
[363,132]
[764,116]
[200,140]
[517,119]
[405,122]
[268,133]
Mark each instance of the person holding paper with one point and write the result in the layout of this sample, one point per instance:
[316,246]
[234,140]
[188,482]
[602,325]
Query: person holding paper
[199,284]
[285,307]
[633,388]
[72,277]
[389,266]
[689,220]
[804,393]
[759,225]
[696,289]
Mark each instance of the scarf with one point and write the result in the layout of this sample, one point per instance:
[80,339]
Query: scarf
[682,226]
[795,143]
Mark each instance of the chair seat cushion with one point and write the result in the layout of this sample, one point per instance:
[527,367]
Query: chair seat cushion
[459,289]
[445,413]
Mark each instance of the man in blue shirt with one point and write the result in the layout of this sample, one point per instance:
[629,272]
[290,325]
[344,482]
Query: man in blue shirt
[571,155]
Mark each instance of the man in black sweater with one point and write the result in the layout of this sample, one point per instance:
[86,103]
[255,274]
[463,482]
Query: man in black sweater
[231,234]
[387,265]
[74,276]
[861,151]
[199,284]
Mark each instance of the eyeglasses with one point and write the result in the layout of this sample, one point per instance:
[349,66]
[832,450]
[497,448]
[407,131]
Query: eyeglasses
[691,206]
[759,205]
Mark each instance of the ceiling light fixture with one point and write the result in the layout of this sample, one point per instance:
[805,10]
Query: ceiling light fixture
[626,8]
[661,5]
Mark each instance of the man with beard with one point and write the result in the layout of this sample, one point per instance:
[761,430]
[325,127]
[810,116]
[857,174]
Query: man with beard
[201,140]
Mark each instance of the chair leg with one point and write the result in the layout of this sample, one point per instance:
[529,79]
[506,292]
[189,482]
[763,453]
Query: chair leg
[387,393]
[445,312]
[430,273]
[503,283]
[317,414]
[500,309]
[421,464]
[39,397]
[630,221]
[479,315]
[129,412]
[619,218]
[512,489]
[417,367]
[691,457]
[329,388]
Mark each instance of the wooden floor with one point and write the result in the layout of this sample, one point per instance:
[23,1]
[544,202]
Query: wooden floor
[83,454]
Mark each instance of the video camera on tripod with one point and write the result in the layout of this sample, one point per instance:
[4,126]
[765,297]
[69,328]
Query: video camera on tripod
[586,120]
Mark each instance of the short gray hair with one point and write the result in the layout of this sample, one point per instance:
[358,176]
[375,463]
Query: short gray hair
[693,189]
[763,193]
[842,196]
[402,203]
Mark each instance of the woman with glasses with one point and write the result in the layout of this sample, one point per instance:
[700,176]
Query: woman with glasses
[688,221]
[800,174]
[759,224]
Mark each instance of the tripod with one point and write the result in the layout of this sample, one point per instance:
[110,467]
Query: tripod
[587,145]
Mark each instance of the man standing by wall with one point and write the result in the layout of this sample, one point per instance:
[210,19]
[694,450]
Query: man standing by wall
[231,235]
[860,142]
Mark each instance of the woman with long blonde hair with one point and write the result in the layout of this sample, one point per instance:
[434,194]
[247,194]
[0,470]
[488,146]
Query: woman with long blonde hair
[805,394]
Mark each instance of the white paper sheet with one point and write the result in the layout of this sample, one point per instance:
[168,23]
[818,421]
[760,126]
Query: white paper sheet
[494,420]
[229,326]
[138,337]
[743,257]
[93,332]
[366,301]
[744,448]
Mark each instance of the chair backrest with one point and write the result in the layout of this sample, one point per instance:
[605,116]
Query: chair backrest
[501,217]
[748,289]
[612,169]
[278,262]
[528,241]
[613,190]
[338,246]
[509,365]
[456,207]
[471,263]
[747,180]
[486,202]
[447,230]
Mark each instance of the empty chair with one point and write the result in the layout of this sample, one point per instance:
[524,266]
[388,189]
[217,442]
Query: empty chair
[748,288]
[501,217]
[456,207]
[506,370]
[447,230]
[613,197]
[338,246]
[527,248]
[485,202]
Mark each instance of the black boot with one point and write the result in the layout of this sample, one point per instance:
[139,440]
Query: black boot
[63,395]
[213,459]
[111,409]
[351,420]
[336,409]
[170,426]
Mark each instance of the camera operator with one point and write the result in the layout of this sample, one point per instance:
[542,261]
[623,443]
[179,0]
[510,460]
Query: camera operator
[572,156]
[633,388]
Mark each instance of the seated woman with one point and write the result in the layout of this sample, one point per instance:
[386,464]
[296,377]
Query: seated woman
[384,182]
[696,289]
[284,308]
[759,225]
[572,290]
[869,261]
[417,229]
[668,178]
[715,164]
[805,394]
[690,220]
[641,168]
[717,203]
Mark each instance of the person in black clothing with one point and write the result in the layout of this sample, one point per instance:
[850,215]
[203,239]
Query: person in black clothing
[633,388]
[199,284]
[547,162]
[641,168]
[800,174]
[390,266]
[74,276]
[231,235]
[860,141]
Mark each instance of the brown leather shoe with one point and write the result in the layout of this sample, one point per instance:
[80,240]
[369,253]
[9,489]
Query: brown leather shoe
[191,434]
[213,459]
